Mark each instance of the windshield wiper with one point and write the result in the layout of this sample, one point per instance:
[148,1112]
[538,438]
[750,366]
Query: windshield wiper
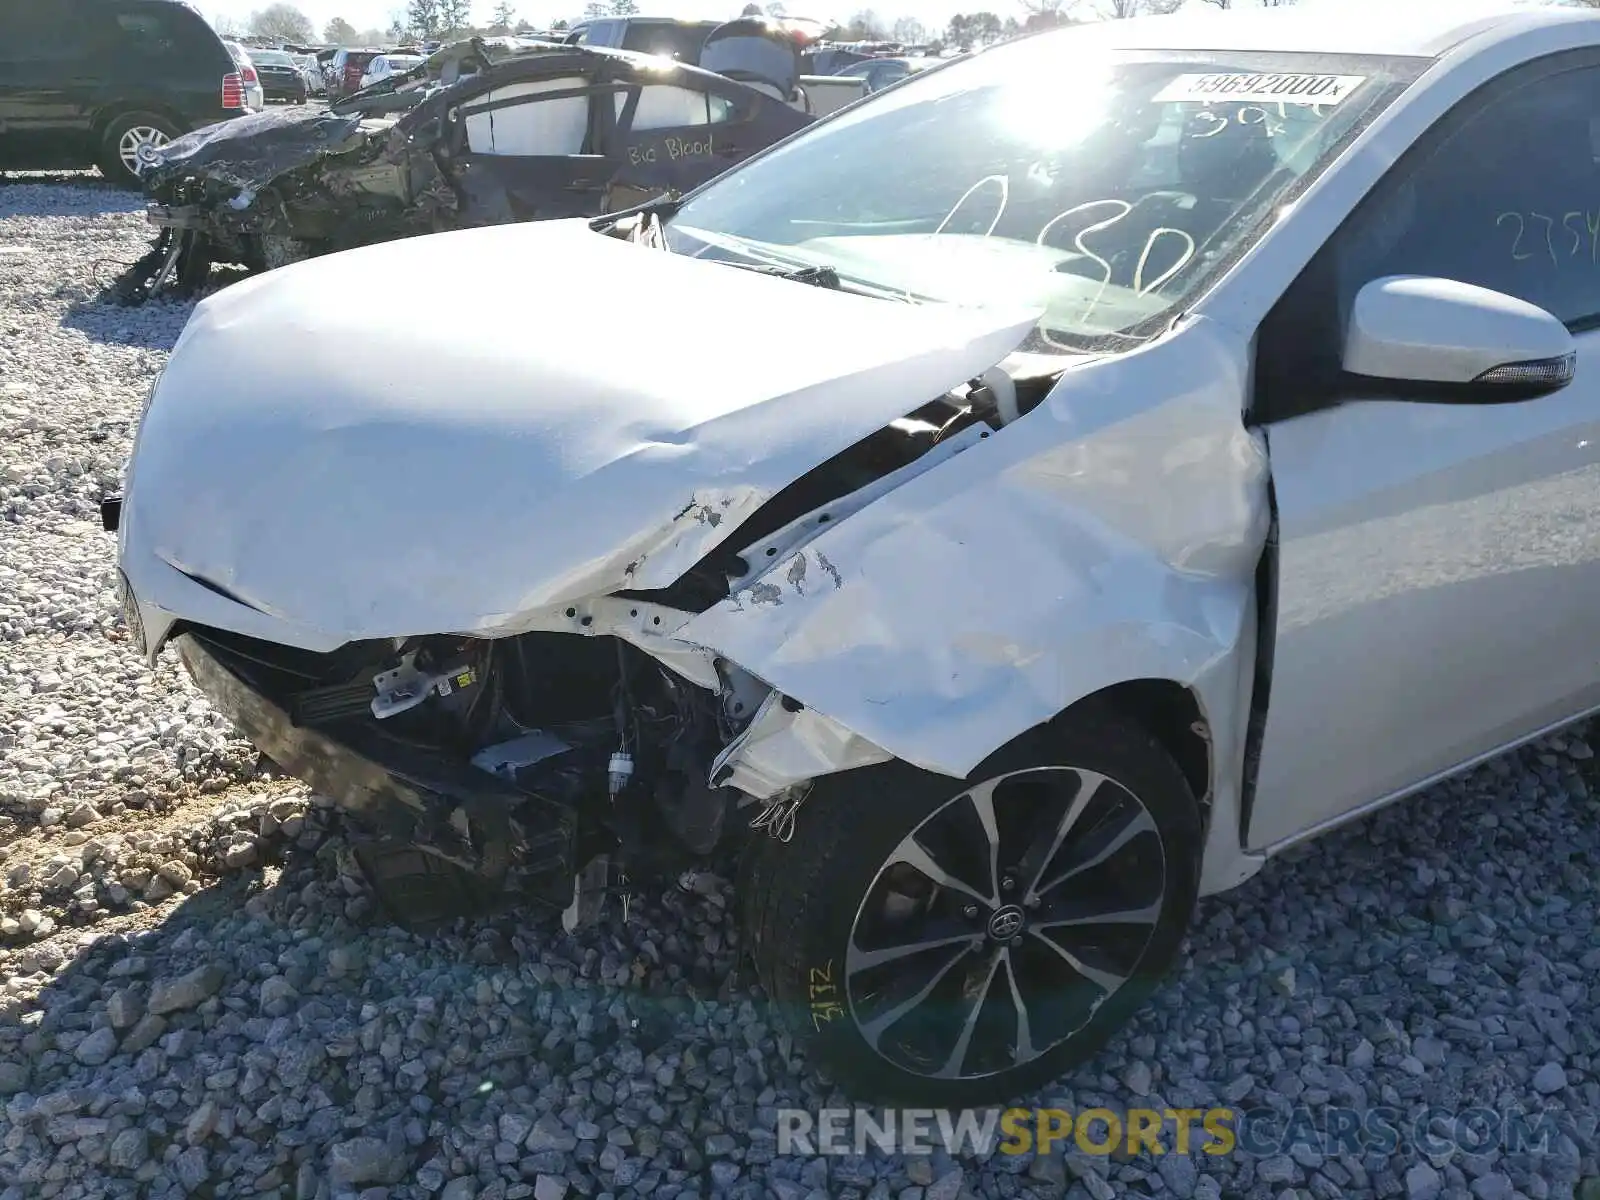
[662,207]
[824,277]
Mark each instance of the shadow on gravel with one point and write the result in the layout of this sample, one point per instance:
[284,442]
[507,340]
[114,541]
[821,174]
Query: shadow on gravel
[153,325]
[63,194]
[274,1032]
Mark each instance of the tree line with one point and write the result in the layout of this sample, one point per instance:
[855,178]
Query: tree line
[982,28]
[422,20]
[428,19]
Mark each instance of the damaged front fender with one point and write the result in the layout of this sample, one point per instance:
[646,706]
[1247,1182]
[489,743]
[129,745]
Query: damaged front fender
[1109,535]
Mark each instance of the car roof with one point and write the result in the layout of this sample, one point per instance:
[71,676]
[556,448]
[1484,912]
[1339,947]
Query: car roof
[1407,28]
[685,21]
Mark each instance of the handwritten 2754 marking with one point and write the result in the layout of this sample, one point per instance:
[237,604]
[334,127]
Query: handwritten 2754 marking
[1537,234]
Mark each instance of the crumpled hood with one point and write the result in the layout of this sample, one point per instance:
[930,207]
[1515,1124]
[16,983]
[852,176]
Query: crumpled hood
[252,150]
[534,414]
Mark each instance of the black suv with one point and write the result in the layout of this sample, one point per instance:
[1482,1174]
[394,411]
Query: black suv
[103,82]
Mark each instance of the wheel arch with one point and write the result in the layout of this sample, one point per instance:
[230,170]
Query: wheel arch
[109,114]
[1169,712]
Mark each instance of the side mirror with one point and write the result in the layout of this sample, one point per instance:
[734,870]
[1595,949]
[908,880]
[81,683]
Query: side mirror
[1445,340]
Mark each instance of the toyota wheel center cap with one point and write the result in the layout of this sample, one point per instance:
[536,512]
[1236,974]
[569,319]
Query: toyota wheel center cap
[1006,923]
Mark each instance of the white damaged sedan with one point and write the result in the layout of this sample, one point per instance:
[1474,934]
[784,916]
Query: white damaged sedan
[1007,511]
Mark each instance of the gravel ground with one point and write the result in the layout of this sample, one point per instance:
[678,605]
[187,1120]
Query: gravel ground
[196,998]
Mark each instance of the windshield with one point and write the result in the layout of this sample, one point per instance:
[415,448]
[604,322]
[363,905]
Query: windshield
[1105,188]
[681,42]
[271,58]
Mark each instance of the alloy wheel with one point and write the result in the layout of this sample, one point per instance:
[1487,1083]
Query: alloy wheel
[138,145]
[999,926]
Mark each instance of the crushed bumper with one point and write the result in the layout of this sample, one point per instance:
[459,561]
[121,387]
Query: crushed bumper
[473,834]
[173,216]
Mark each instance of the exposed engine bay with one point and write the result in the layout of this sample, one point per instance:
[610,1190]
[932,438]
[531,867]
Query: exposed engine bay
[545,766]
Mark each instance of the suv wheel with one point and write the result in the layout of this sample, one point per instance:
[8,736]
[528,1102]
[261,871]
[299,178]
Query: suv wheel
[962,943]
[130,143]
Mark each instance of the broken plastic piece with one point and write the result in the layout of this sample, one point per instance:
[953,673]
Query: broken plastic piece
[507,758]
[588,894]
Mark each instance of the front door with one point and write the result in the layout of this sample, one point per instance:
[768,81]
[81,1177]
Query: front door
[1439,573]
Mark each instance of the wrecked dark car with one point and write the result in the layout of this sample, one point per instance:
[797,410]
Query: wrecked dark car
[484,132]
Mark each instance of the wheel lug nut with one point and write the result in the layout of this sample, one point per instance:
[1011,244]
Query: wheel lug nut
[970,911]
[1007,884]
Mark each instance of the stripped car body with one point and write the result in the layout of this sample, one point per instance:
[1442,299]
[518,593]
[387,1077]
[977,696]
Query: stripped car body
[483,132]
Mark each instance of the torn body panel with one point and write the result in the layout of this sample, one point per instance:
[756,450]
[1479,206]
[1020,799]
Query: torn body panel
[785,746]
[979,600]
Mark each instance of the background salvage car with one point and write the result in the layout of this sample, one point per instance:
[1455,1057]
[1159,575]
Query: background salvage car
[481,135]
[255,96]
[104,83]
[386,65]
[345,69]
[282,77]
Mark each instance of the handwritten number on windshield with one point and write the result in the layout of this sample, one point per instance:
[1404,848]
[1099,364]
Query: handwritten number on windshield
[1528,224]
[1249,114]
[1139,286]
[1077,242]
[1005,196]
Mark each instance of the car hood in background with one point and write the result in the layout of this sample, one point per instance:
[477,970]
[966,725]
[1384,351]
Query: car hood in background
[559,414]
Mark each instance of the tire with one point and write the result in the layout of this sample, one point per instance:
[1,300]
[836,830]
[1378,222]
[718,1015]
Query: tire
[813,905]
[115,146]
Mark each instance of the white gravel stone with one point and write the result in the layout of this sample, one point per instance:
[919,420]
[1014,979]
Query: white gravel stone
[1549,1078]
